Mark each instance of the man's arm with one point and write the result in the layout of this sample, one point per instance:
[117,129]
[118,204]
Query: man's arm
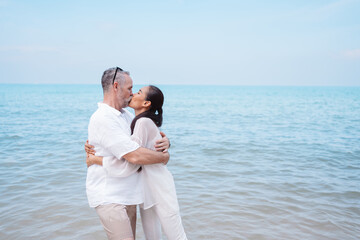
[119,144]
[113,166]
[144,156]
[141,156]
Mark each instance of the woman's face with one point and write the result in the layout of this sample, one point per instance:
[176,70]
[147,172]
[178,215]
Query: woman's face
[138,100]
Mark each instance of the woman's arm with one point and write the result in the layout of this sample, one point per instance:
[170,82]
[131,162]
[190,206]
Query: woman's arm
[91,159]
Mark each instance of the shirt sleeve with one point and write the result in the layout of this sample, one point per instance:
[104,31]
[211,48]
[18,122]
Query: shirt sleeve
[115,140]
[118,167]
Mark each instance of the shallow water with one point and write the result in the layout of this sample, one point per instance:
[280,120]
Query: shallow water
[248,162]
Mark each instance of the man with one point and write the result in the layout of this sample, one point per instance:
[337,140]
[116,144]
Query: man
[115,198]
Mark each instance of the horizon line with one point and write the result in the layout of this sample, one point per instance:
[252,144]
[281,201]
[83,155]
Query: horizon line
[169,84]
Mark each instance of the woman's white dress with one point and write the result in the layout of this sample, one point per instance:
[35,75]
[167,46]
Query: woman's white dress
[160,201]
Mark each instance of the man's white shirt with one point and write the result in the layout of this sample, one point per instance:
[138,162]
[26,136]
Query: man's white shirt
[109,132]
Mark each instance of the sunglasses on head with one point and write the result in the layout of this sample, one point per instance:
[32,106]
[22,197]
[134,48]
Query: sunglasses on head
[117,68]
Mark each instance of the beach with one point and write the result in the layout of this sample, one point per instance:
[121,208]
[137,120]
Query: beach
[248,162]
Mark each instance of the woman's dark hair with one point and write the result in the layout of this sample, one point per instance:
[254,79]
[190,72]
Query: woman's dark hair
[156,97]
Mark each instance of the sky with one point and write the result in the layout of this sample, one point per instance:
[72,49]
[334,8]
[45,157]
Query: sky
[278,42]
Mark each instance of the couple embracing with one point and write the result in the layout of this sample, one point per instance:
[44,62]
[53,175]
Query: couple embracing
[126,158]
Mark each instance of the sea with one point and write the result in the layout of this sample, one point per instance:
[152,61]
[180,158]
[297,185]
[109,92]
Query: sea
[249,162]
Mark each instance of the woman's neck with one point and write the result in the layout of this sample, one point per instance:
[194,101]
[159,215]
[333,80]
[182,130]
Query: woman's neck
[138,111]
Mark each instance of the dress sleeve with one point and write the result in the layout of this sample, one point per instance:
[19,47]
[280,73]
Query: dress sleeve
[140,134]
[145,131]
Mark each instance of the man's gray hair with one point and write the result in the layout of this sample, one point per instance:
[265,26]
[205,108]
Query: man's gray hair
[108,76]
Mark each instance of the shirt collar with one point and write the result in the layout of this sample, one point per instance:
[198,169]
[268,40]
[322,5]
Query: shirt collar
[111,109]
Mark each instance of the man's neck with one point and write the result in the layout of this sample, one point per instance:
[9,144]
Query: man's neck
[110,101]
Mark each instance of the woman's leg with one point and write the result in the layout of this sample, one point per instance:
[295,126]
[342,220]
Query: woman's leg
[171,223]
[150,223]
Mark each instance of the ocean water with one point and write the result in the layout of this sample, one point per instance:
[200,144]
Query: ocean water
[248,162]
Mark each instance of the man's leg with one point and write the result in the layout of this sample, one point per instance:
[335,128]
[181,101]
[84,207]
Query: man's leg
[131,212]
[115,221]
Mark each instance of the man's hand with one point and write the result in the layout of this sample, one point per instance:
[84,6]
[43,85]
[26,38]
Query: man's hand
[89,149]
[163,144]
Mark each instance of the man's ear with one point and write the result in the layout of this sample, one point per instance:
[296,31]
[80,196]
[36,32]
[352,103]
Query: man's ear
[116,85]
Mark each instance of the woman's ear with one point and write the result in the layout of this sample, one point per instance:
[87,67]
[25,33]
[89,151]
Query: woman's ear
[147,103]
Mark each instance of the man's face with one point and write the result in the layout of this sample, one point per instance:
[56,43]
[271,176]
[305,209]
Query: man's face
[125,92]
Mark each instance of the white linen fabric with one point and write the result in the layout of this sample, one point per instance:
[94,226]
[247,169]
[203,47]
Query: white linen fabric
[156,217]
[159,186]
[109,133]
[160,201]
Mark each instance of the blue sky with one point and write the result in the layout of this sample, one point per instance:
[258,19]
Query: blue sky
[182,42]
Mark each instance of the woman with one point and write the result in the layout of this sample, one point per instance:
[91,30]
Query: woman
[160,207]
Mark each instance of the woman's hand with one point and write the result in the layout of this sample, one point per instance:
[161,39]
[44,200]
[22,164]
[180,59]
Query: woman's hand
[91,159]
[89,149]
[163,144]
